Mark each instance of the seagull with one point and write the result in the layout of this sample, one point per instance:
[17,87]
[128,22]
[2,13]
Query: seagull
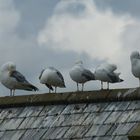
[105,73]
[52,77]
[13,79]
[135,64]
[80,75]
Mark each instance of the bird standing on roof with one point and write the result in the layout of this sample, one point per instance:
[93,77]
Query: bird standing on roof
[135,64]
[105,73]
[52,77]
[13,79]
[80,75]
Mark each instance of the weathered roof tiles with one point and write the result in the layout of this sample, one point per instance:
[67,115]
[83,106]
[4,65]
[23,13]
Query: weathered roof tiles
[83,120]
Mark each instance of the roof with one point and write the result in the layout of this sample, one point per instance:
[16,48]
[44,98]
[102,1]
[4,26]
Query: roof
[93,115]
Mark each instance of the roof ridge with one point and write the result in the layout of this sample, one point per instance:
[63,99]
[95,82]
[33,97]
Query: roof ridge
[71,97]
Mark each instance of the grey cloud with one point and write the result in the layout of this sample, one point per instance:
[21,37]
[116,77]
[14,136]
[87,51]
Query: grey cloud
[74,8]
[31,59]
[33,15]
[120,6]
[21,47]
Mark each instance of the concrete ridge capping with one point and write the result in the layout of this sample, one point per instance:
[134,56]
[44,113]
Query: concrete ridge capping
[71,97]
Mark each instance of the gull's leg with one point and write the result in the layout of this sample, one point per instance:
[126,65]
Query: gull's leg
[82,86]
[139,82]
[101,85]
[108,85]
[10,92]
[55,89]
[49,90]
[77,87]
[13,92]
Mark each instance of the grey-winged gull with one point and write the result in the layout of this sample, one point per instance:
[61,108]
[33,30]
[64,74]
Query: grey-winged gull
[80,75]
[13,79]
[52,77]
[135,64]
[105,73]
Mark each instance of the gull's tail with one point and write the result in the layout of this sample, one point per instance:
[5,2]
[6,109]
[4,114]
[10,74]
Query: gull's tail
[28,86]
[34,88]
[49,86]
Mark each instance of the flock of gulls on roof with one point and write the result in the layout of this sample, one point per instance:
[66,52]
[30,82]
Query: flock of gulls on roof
[51,77]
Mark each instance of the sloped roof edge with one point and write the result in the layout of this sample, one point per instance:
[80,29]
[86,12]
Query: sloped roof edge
[71,97]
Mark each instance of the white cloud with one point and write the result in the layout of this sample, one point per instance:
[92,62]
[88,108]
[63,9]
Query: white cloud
[96,33]
[9,21]
[102,35]
[12,47]
[75,26]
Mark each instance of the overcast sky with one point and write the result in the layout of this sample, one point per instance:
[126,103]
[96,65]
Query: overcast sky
[36,34]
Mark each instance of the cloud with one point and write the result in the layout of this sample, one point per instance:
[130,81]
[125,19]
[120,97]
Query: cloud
[103,35]
[21,51]
[24,52]
[76,29]
[96,33]
[9,17]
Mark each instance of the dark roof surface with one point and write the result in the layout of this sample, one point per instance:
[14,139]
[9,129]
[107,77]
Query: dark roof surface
[73,118]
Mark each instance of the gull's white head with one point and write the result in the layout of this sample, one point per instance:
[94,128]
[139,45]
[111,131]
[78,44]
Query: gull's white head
[9,66]
[135,55]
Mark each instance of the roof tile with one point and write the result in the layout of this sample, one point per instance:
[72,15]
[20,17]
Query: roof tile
[52,110]
[33,134]
[55,133]
[12,135]
[73,119]
[31,111]
[113,117]
[10,124]
[123,129]
[98,130]
[85,119]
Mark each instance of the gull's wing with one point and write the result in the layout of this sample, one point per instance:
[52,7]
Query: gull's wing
[58,73]
[18,76]
[23,83]
[112,67]
[112,77]
[88,74]
[41,73]
[109,67]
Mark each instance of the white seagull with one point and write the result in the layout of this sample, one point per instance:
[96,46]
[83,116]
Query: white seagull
[105,73]
[13,79]
[52,77]
[135,64]
[80,75]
